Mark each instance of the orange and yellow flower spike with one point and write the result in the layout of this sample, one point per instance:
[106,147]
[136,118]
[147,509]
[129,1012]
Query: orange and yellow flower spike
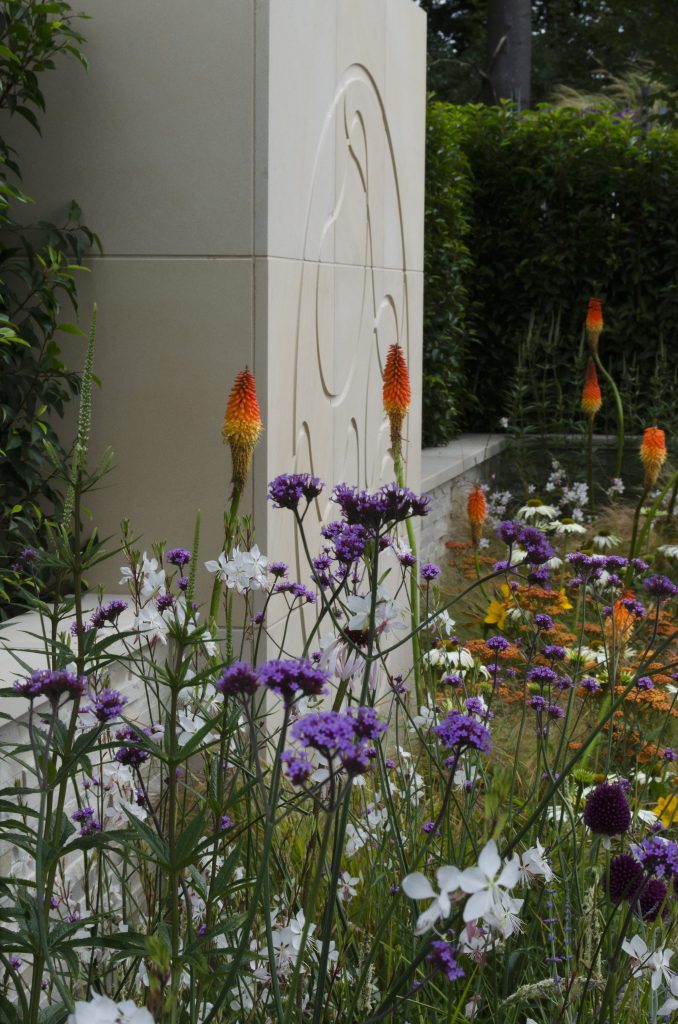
[591,398]
[652,455]
[594,323]
[476,508]
[396,395]
[242,425]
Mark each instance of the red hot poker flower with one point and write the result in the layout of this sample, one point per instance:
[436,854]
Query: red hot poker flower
[242,425]
[591,398]
[652,455]
[396,394]
[594,323]
[476,508]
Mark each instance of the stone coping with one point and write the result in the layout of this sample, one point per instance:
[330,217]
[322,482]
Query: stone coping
[438,465]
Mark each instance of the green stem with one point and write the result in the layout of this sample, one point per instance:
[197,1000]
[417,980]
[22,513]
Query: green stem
[414,591]
[589,465]
[620,414]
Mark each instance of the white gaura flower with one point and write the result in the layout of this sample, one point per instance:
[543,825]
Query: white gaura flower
[426,718]
[218,566]
[488,882]
[388,616]
[533,863]
[118,806]
[153,578]
[356,837]
[188,725]
[418,887]
[644,960]
[102,1010]
[151,623]
[669,551]
[443,623]
[505,915]
[670,1004]
[346,889]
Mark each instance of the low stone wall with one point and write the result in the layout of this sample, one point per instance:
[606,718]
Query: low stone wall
[447,475]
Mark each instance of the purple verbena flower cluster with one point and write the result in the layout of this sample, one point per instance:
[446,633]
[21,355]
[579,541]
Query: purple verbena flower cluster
[107,705]
[339,737]
[537,548]
[178,556]
[460,732]
[52,684]
[131,753]
[390,504]
[89,824]
[442,959]
[287,490]
[292,678]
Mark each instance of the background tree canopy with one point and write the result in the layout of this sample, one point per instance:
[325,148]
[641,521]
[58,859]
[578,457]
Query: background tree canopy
[577,43]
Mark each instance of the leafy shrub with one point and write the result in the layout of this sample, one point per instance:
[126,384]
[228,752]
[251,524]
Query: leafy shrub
[558,206]
[37,266]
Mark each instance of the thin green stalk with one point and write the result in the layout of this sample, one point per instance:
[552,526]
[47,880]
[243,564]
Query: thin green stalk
[589,465]
[620,414]
[414,590]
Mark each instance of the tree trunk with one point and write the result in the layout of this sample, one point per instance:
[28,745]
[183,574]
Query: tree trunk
[509,51]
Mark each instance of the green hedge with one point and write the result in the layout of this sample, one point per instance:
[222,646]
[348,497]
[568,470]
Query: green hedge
[528,215]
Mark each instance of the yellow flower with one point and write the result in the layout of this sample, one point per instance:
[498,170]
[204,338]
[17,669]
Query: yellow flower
[496,612]
[563,603]
[667,810]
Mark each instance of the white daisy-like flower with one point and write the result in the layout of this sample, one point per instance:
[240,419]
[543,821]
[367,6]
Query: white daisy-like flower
[567,527]
[535,509]
[102,1010]
[669,551]
[604,541]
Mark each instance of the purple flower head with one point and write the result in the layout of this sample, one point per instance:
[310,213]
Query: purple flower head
[390,504]
[287,490]
[660,587]
[278,568]
[225,822]
[299,766]
[454,680]
[165,602]
[497,643]
[538,703]
[407,559]
[292,678]
[475,706]
[669,754]
[607,810]
[178,556]
[367,725]
[639,565]
[130,753]
[429,571]
[540,577]
[295,589]
[555,711]
[107,705]
[626,878]
[586,566]
[89,824]
[614,563]
[658,856]
[461,732]
[442,959]
[238,680]
[555,652]
[542,675]
[53,685]
[106,613]
[543,622]
[355,758]
[182,583]
[508,531]
[14,961]
[652,899]
[644,683]
[635,607]
[537,547]
[349,540]
[563,683]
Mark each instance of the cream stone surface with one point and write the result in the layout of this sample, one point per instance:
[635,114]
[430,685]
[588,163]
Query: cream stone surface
[156,140]
[255,171]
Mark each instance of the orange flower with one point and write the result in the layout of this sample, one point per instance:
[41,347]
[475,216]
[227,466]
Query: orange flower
[594,323]
[622,620]
[591,398]
[242,425]
[652,455]
[476,508]
[397,394]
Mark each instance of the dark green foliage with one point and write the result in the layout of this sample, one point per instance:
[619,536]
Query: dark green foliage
[37,265]
[447,263]
[556,207]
